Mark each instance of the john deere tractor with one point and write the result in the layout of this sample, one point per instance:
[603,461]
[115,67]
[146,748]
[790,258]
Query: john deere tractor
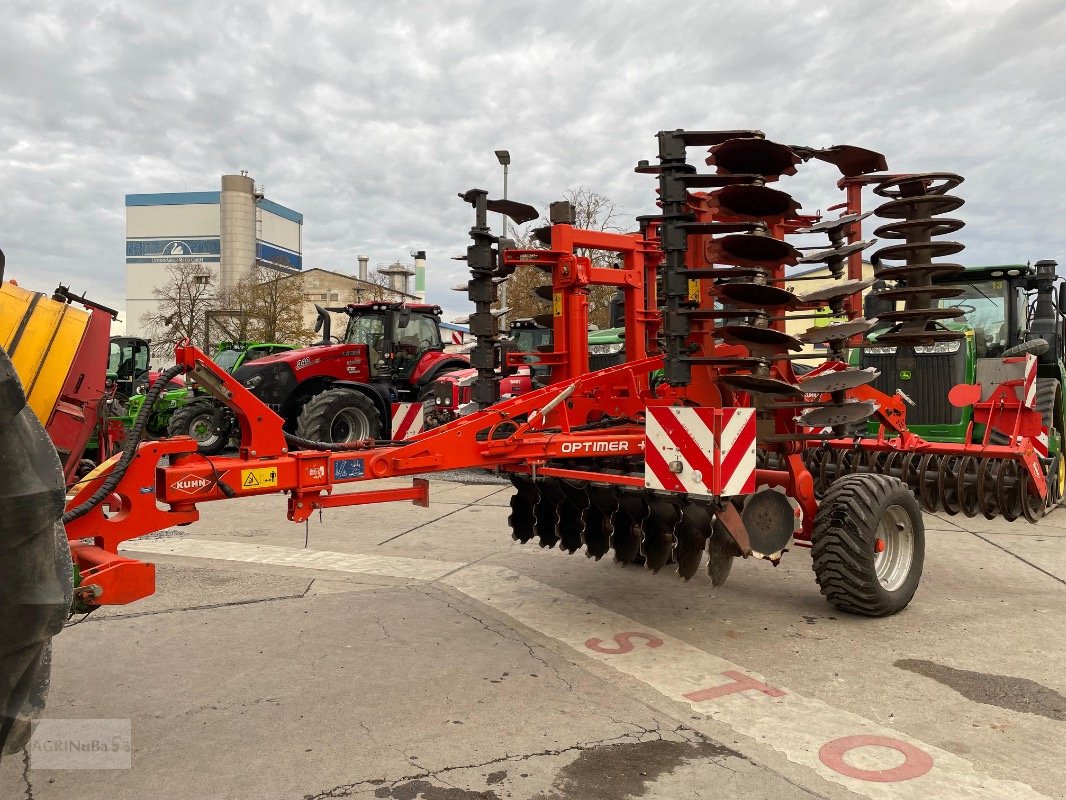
[1004,310]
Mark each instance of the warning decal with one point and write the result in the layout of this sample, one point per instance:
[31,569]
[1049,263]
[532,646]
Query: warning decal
[259,478]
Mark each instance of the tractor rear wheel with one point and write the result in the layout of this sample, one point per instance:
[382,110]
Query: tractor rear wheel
[339,415]
[198,420]
[868,545]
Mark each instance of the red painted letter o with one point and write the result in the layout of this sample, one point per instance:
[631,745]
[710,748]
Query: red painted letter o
[917,762]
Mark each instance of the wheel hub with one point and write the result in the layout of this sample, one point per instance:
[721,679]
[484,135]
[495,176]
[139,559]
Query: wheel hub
[893,548]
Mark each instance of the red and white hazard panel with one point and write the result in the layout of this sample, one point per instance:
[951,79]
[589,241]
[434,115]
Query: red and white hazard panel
[407,420]
[706,451]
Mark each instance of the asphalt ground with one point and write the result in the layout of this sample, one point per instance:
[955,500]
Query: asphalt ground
[392,651]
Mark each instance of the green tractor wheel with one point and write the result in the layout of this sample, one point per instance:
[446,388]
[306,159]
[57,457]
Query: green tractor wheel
[209,423]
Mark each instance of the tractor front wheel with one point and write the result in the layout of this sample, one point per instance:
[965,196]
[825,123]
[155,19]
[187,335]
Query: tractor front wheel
[204,421]
[339,415]
[868,545]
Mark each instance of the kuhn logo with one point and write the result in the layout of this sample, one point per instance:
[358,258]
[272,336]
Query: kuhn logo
[191,484]
[595,447]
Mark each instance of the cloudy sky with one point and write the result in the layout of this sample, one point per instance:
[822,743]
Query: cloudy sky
[370,117]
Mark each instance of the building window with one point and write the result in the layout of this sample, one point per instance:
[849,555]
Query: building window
[201,280]
[334,296]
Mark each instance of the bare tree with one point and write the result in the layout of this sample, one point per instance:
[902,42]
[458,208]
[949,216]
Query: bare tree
[265,305]
[593,211]
[181,307]
[375,288]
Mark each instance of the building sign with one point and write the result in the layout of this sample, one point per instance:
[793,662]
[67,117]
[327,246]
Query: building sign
[172,251]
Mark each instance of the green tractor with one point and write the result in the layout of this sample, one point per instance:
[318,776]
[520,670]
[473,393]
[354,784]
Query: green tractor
[1008,310]
[192,414]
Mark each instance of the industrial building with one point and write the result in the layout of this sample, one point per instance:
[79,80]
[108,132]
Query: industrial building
[221,234]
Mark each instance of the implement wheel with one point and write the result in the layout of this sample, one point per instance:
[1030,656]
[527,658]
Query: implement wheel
[868,545]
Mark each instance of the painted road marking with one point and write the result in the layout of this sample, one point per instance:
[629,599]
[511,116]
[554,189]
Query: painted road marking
[417,569]
[839,746]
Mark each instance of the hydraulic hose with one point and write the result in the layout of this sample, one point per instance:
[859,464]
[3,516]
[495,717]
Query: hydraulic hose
[309,444]
[129,450]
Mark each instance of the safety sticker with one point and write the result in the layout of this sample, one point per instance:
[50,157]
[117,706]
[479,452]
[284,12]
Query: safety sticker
[259,478]
[693,290]
[557,304]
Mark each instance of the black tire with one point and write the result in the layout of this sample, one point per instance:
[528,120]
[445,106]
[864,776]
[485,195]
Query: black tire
[339,415]
[197,419]
[37,587]
[857,513]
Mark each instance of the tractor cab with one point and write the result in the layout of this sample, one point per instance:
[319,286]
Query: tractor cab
[128,364]
[993,302]
[1001,310]
[232,355]
[397,335]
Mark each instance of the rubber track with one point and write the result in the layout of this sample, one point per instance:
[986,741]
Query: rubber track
[843,558]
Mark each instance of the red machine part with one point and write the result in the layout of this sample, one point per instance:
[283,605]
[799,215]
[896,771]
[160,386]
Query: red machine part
[78,409]
[580,417]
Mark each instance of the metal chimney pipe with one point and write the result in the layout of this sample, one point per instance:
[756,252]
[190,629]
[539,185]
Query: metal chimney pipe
[364,262]
[420,275]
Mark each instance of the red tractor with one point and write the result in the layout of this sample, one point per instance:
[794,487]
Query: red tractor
[369,383]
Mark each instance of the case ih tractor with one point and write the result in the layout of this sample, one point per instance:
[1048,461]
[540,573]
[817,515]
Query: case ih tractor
[369,383]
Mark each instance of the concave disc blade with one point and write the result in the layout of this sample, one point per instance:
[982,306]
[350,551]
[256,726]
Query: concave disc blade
[918,184]
[835,291]
[839,381]
[756,384]
[759,156]
[760,337]
[852,160]
[751,248]
[756,294]
[916,292]
[543,292]
[937,226]
[921,314]
[937,249]
[827,225]
[917,272]
[840,330]
[847,413]
[748,202]
[925,206]
[836,254]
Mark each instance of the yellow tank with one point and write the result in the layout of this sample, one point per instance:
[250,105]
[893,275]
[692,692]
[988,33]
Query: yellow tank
[42,337]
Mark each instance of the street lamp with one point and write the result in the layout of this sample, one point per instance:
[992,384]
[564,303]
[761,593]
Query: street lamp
[504,157]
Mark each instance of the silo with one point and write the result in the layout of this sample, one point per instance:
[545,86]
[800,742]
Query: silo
[420,275]
[238,232]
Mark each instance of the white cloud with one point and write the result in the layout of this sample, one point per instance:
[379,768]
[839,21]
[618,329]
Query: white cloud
[370,117]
